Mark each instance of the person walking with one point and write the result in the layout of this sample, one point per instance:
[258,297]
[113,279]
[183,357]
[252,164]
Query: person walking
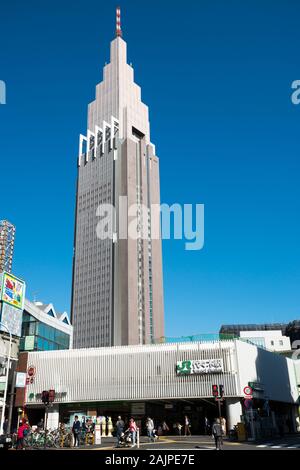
[165,428]
[22,432]
[76,431]
[217,433]
[120,429]
[206,425]
[133,431]
[150,429]
[187,426]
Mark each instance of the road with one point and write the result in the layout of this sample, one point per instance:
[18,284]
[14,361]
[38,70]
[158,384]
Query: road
[205,443]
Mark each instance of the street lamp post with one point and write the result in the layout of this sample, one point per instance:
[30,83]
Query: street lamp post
[7,374]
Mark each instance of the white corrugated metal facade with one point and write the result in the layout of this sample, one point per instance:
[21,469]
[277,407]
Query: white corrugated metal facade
[130,372]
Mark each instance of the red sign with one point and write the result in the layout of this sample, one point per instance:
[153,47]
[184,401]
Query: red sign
[248,391]
[31,371]
[248,403]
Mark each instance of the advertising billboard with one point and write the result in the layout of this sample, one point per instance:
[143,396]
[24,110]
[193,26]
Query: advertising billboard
[12,291]
[11,317]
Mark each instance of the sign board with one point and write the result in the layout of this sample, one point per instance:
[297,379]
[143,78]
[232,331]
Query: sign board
[138,409]
[11,317]
[13,291]
[248,403]
[248,391]
[29,343]
[31,371]
[21,379]
[202,366]
[97,434]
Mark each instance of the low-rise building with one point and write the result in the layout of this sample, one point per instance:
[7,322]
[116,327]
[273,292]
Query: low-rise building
[270,336]
[44,329]
[167,381]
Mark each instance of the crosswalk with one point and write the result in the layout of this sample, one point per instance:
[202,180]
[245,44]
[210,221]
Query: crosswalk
[271,445]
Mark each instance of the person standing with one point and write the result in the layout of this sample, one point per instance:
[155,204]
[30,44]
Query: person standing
[76,431]
[5,426]
[217,433]
[40,425]
[133,431]
[120,429]
[187,426]
[150,429]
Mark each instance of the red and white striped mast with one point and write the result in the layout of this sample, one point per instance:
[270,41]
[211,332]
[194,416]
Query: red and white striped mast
[118,22]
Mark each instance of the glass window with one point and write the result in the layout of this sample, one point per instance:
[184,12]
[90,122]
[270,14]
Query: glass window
[32,328]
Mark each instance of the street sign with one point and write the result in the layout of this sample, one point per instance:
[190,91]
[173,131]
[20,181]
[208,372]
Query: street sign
[248,403]
[31,371]
[248,391]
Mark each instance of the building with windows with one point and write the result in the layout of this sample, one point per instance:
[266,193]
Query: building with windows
[271,336]
[7,241]
[117,292]
[44,329]
[166,382]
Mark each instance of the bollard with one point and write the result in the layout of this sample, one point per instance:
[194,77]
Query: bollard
[138,438]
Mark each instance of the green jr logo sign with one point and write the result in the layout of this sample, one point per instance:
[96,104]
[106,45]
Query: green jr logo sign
[184,367]
[202,366]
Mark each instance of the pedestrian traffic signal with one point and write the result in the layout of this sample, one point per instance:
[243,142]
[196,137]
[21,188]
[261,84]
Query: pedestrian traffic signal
[215,391]
[221,389]
[51,396]
[45,397]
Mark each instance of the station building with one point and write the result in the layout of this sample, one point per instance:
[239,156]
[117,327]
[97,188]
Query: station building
[166,382]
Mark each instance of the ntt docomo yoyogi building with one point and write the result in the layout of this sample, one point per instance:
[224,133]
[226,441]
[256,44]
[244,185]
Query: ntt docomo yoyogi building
[165,381]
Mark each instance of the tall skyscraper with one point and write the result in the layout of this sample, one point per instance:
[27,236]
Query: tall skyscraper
[117,291]
[7,241]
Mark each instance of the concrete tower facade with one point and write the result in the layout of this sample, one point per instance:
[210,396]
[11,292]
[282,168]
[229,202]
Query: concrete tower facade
[117,292]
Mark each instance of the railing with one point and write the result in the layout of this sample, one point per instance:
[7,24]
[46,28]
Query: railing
[201,338]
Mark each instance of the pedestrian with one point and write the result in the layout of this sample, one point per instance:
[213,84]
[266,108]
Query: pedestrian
[5,426]
[120,429]
[22,432]
[206,425]
[217,433]
[133,431]
[177,426]
[150,429]
[223,425]
[40,425]
[76,431]
[187,426]
[165,428]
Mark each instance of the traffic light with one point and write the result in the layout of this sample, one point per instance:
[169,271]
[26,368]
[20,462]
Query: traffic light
[215,391]
[221,389]
[45,397]
[51,396]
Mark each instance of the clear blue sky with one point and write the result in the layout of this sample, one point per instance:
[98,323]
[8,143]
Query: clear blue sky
[216,76]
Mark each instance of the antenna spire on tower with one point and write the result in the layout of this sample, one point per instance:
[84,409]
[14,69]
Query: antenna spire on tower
[118,22]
